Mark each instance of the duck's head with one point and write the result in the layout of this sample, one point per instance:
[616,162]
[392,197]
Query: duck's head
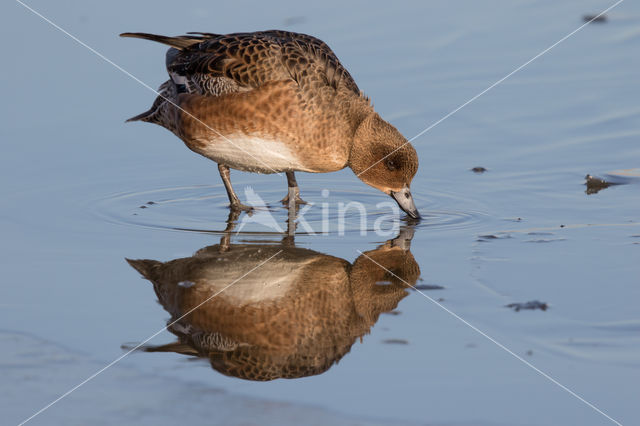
[383,158]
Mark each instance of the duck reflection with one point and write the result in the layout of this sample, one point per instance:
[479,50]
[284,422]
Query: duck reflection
[294,316]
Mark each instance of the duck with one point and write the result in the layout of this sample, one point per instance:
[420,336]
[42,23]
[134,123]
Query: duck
[277,102]
[295,317]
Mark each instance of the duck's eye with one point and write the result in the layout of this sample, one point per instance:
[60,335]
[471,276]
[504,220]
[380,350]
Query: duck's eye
[390,165]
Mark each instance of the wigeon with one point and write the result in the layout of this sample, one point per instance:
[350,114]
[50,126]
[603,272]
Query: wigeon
[277,101]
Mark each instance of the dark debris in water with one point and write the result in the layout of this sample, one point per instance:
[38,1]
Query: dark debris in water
[488,237]
[395,342]
[514,219]
[534,304]
[150,203]
[428,287]
[491,237]
[396,312]
[143,207]
[595,18]
[595,184]
[478,170]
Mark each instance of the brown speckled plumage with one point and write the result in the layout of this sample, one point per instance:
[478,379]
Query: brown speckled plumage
[282,101]
[316,307]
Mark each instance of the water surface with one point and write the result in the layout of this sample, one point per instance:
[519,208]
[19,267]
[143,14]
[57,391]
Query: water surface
[75,178]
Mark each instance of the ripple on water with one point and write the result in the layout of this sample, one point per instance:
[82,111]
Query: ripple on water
[204,208]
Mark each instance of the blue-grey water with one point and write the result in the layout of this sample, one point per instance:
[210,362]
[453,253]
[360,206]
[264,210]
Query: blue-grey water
[74,177]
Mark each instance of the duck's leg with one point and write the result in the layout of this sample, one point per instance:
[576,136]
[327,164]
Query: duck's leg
[232,220]
[294,192]
[288,239]
[233,198]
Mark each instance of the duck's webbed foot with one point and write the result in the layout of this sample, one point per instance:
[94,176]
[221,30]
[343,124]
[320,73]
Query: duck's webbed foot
[238,206]
[295,193]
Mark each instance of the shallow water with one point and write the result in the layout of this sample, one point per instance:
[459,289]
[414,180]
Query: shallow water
[75,178]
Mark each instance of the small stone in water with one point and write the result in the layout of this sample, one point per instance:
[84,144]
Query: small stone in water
[595,18]
[529,305]
[395,342]
[428,287]
[595,184]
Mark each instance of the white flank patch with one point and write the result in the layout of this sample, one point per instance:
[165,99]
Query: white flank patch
[275,280]
[252,154]
[178,79]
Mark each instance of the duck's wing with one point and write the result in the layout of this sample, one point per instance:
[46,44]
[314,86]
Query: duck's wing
[333,71]
[214,64]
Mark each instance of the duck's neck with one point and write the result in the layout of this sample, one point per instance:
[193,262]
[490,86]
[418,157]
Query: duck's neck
[360,153]
[358,109]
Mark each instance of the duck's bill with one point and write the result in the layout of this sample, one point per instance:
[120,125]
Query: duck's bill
[405,201]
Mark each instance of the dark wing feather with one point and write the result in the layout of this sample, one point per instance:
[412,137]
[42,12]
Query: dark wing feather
[336,74]
[244,61]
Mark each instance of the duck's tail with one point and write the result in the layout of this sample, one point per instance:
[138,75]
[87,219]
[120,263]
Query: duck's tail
[179,42]
[162,111]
